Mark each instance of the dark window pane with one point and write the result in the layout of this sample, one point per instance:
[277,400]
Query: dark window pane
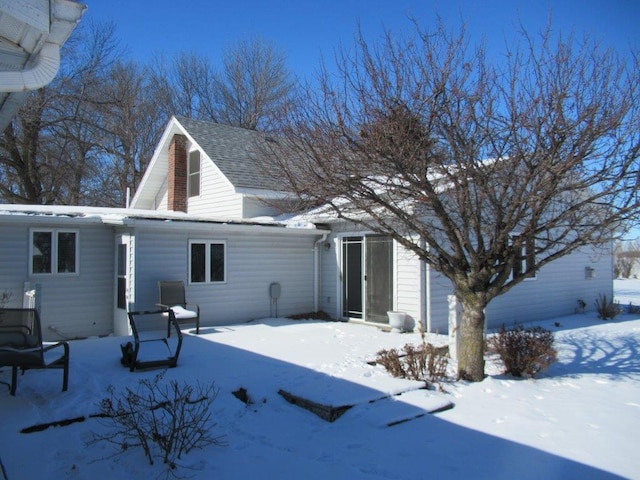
[194,173]
[217,262]
[122,259]
[122,293]
[198,262]
[42,252]
[66,252]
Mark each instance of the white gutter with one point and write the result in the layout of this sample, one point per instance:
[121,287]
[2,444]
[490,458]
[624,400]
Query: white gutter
[39,75]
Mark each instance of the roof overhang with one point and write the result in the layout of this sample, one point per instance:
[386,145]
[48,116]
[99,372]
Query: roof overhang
[148,219]
[31,35]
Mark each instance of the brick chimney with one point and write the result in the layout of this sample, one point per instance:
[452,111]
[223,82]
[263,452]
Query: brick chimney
[177,195]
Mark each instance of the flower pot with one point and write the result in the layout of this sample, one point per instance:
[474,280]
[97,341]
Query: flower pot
[396,321]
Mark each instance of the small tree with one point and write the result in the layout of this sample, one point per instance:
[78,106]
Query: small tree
[486,172]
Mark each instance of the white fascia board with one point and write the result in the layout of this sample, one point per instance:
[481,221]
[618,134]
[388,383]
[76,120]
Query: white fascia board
[214,227]
[159,158]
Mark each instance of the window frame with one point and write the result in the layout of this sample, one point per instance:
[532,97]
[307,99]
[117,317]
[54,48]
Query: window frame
[207,261]
[194,176]
[55,251]
[528,259]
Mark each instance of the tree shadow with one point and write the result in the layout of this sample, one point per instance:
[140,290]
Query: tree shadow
[269,437]
[593,353]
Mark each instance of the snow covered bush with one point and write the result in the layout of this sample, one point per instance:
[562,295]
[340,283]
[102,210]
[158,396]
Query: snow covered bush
[523,351]
[166,420]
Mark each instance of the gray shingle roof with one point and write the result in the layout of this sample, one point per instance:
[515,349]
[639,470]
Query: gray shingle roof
[234,150]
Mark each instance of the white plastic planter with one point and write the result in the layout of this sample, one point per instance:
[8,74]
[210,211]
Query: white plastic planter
[396,321]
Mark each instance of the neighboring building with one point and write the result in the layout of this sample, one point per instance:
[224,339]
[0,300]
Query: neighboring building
[200,206]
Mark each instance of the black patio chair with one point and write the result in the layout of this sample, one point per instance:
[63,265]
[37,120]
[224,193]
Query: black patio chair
[172,296]
[151,348]
[21,346]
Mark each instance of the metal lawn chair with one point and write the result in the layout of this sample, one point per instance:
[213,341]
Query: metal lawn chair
[21,345]
[150,347]
[172,296]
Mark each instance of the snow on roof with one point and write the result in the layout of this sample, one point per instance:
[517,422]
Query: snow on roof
[127,215]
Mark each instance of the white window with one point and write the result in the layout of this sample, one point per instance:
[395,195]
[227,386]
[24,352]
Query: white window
[207,261]
[53,252]
[525,257]
[193,186]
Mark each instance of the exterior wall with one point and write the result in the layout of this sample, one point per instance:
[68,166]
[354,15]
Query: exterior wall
[217,197]
[76,305]
[421,291]
[162,198]
[554,292]
[408,283]
[252,207]
[254,261]
[409,286]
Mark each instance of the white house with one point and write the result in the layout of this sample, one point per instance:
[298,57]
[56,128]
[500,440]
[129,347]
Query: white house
[361,275]
[199,216]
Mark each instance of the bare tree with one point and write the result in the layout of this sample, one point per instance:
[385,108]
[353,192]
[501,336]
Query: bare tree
[253,85]
[88,136]
[48,153]
[487,172]
[248,90]
[183,85]
[131,122]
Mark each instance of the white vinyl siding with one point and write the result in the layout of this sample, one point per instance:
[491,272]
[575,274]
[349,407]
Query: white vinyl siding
[409,285]
[556,292]
[217,197]
[255,259]
[78,305]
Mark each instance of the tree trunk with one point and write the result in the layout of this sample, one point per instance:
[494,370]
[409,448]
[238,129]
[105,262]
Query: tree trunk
[471,341]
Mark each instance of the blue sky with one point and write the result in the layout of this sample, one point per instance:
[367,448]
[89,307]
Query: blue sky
[307,29]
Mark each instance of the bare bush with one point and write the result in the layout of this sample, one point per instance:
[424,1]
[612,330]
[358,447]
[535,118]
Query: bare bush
[607,309]
[425,363]
[166,420]
[523,351]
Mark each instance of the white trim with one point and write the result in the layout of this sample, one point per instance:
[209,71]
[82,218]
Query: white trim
[55,232]
[339,294]
[207,262]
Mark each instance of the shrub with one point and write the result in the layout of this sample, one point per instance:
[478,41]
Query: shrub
[607,309]
[425,363]
[523,351]
[165,420]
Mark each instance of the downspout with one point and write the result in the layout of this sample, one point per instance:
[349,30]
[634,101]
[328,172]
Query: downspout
[317,270]
[39,75]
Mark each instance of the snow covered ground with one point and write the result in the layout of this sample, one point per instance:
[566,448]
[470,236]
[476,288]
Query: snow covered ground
[580,420]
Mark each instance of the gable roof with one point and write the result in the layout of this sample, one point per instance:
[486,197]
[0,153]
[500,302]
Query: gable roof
[234,150]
